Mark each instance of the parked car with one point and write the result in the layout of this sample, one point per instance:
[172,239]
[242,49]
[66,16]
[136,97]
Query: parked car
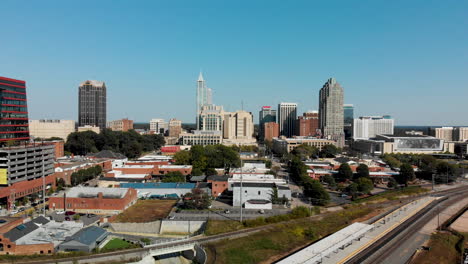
[91,215]
[13,212]
[261,211]
[227,211]
[70,213]
[59,212]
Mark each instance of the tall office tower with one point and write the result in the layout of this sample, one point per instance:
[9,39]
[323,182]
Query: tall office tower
[348,114]
[331,111]
[271,130]
[14,110]
[460,134]
[366,127]
[211,118]
[238,126]
[175,127]
[287,114]
[158,125]
[266,115]
[204,97]
[92,101]
[307,124]
[445,133]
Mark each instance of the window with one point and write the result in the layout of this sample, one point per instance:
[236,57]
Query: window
[258,192]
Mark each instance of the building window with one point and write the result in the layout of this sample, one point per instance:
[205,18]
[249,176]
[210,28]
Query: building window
[42,251]
[258,192]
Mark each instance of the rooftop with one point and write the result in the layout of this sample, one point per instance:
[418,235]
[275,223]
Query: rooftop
[158,185]
[255,184]
[93,83]
[88,235]
[175,167]
[51,232]
[92,192]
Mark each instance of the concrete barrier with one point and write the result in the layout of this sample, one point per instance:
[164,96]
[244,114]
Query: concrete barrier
[148,228]
[180,227]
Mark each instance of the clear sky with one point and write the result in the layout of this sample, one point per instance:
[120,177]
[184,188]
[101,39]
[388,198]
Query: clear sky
[405,58]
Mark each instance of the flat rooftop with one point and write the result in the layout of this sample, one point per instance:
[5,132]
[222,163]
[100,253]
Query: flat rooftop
[92,192]
[175,167]
[158,185]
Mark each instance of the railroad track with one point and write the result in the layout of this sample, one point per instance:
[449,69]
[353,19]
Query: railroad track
[405,230]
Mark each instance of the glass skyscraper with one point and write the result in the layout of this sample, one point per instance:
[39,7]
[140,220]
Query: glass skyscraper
[204,97]
[14,110]
[92,104]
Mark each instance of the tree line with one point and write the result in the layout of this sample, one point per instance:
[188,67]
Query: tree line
[85,175]
[131,144]
[204,159]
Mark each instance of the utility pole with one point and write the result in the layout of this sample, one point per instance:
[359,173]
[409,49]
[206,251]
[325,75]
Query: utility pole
[43,183]
[241,192]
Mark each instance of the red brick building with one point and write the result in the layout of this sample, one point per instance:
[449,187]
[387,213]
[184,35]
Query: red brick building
[271,130]
[95,200]
[307,125]
[219,184]
[59,148]
[165,169]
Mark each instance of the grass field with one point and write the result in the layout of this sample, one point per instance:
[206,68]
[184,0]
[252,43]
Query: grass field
[266,246]
[215,227]
[443,250]
[146,211]
[394,194]
[117,243]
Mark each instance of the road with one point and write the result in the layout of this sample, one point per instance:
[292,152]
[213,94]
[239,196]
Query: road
[398,245]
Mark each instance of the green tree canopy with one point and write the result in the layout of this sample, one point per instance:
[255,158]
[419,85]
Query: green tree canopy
[344,172]
[304,151]
[316,192]
[173,176]
[329,151]
[197,199]
[406,174]
[362,171]
[365,185]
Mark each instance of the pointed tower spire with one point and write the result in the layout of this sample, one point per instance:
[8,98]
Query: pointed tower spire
[200,77]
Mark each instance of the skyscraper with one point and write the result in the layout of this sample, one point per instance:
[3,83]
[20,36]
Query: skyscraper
[204,97]
[331,118]
[307,124]
[287,114]
[92,101]
[366,127]
[14,110]
[266,115]
[348,113]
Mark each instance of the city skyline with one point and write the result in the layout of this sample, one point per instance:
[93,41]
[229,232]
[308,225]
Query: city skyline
[399,57]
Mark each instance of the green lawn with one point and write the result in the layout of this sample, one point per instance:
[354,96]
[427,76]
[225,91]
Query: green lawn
[394,194]
[117,243]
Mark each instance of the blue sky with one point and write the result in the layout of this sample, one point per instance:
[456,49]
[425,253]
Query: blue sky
[405,58]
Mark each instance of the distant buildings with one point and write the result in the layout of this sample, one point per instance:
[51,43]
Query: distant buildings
[348,114]
[287,114]
[95,129]
[450,133]
[211,118]
[51,128]
[92,102]
[175,128]
[13,110]
[158,126]
[307,125]
[286,145]
[460,134]
[199,137]
[120,125]
[266,115]
[331,118]
[366,127]
[238,127]
[271,130]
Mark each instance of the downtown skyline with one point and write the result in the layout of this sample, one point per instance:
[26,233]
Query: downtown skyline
[404,63]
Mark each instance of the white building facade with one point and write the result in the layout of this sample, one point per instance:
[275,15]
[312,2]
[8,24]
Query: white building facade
[367,127]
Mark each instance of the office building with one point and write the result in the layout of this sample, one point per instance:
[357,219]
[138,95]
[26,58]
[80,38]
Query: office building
[175,127]
[43,128]
[158,125]
[445,133]
[271,130]
[366,127]
[348,114]
[14,111]
[460,134]
[307,125]
[200,137]
[204,97]
[238,127]
[331,118]
[266,115]
[92,103]
[287,114]
[211,118]
[283,145]
[95,129]
[120,125]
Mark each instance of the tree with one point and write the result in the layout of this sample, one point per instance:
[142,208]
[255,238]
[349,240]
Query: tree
[406,174]
[211,172]
[268,163]
[329,180]
[173,176]
[197,172]
[304,151]
[391,183]
[197,199]
[182,157]
[353,189]
[362,171]
[391,161]
[274,197]
[329,151]
[344,172]
[314,190]
[365,185]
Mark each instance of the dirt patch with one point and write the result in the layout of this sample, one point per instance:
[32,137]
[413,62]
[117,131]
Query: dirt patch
[461,224]
[145,211]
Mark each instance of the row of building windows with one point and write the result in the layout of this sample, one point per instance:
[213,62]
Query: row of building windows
[14,136]
[12,102]
[13,128]
[14,115]
[6,94]
[14,108]
[10,88]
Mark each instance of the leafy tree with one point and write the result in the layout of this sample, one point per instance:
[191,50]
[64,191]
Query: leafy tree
[173,176]
[211,172]
[391,161]
[362,171]
[392,183]
[406,174]
[197,172]
[197,199]
[274,197]
[329,151]
[344,172]
[314,189]
[329,180]
[304,151]
[365,185]
[268,163]
[182,157]
[444,168]
[353,189]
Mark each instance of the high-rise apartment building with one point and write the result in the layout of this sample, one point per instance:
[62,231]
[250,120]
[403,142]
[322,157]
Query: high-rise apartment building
[92,103]
[266,115]
[331,118]
[238,127]
[287,114]
[158,125]
[14,110]
[460,134]
[445,133]
[175,127]
[120,125]
[307,125]
[204,97]
[271,130]
[44,128]
[366,127]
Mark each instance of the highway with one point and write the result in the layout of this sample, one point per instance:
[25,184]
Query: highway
[399,244]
